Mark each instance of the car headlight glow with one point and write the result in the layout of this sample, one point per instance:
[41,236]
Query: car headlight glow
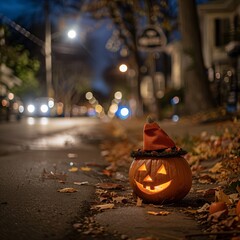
[21,109]
[44,108]
[30,108]
[51,103]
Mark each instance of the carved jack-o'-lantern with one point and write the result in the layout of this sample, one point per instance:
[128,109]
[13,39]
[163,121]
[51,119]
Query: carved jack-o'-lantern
[160,179]
[158,173]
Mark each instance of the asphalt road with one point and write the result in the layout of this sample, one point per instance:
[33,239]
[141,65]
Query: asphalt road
[35,158]
[31,130]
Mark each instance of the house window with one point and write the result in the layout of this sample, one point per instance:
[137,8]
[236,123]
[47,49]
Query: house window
[222,31]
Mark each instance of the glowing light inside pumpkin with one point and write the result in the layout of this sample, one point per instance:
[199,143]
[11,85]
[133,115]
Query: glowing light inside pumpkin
[148,179]
[172,179]
[143,168]
[162,170]
[155,189]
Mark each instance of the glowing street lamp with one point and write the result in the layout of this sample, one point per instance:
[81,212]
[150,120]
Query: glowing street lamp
[48,54]
[123,68]
[72,34]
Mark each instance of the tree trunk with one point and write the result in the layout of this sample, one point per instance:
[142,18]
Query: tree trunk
[197,91]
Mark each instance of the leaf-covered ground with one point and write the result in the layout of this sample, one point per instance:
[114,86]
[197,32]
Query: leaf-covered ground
[215,165]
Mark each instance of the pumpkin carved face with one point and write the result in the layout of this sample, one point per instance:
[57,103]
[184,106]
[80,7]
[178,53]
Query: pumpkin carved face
[158,180]
[151,184]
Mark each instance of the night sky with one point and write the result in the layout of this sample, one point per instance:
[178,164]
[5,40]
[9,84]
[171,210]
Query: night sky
[29,14]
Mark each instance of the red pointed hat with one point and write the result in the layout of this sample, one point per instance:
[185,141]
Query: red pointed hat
[154,138]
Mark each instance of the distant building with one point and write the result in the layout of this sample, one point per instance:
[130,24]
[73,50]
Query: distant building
[219,21]
[220,28]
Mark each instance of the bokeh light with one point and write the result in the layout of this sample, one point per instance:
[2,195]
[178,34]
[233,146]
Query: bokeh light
[175,118]
[30,108]
[123,68]
[72,34]
[89,95]
[118,95]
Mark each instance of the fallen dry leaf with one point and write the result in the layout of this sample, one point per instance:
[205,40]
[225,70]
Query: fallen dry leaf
[103,199]
[73,169]
[234,197]
[206,178]
[204,208]
[222,197]
[119,199]
[85,169]
[61,181]
[161,213]
[67,190]
[216,167]
[215,216]
[191,211]
[104,206]
[230,222]
[81,183]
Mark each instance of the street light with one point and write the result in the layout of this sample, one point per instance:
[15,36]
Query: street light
[47,44]
[48,55]
[72,34]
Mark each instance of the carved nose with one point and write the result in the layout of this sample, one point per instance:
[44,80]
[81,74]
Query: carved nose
[147,179]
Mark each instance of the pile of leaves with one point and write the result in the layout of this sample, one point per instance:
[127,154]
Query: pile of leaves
[223,150]
[215,164]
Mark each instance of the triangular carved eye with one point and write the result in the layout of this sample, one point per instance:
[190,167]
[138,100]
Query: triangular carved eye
[147,179]
[162,170]
[143,168]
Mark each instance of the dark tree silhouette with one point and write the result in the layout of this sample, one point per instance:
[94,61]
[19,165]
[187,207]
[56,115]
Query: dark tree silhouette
[197,91]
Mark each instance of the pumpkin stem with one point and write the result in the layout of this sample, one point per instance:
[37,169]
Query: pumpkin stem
[150,119]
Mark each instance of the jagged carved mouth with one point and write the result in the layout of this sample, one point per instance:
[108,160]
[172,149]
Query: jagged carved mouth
[153,189]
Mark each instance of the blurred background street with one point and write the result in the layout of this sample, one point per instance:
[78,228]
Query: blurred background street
[44,133]
[78,80]
[85,58]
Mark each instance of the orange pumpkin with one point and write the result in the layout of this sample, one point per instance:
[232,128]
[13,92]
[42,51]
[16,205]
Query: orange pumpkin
[159,180]
[217,207]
